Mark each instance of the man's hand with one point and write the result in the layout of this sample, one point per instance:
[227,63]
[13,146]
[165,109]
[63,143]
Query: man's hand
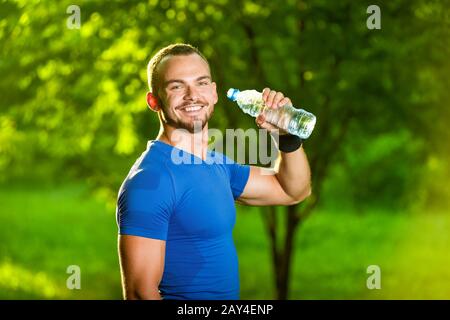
[289,182]
[273,100]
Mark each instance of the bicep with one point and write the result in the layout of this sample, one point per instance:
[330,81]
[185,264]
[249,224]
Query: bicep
[142,265]
[264,189]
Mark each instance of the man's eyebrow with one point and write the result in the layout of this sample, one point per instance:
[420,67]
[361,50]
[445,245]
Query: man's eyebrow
[166,83]
[202,78]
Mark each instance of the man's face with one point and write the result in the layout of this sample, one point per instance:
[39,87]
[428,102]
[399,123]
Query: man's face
[187,92]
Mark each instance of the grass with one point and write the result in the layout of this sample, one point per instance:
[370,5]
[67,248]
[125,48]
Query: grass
[334,249]
[47,229]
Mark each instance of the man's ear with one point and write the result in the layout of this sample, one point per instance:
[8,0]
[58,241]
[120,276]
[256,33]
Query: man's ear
[152,102]
[216,98]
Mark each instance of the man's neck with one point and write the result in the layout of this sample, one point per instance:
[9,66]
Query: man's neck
[194,143]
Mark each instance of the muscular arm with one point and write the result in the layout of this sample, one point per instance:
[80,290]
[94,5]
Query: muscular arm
[294,174]
[142,265]
[287,184]
[290,180]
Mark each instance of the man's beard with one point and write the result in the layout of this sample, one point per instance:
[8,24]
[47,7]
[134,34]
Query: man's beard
[195,125]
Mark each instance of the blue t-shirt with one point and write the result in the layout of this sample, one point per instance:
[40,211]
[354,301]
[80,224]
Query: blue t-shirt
[173,195]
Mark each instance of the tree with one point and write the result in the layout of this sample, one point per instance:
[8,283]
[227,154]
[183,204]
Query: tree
[74,99]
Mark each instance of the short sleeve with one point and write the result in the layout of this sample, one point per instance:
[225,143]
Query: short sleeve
[145,202]
[239,174]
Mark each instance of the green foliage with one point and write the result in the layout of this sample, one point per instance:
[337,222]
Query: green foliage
[72,100]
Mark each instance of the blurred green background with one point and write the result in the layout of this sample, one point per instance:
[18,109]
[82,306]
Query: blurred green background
[73,120]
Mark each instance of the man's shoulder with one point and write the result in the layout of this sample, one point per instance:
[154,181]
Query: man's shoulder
[150,168]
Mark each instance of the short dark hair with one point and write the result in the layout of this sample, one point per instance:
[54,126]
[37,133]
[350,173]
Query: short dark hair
[176,49]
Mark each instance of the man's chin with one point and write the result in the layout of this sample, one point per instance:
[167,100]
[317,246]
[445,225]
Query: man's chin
[194,126]
[191,124]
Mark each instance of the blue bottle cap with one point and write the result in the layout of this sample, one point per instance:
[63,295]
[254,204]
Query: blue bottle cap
[232,94]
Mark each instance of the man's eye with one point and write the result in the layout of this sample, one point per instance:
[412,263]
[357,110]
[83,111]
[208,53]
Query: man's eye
[204,83]
[175,87]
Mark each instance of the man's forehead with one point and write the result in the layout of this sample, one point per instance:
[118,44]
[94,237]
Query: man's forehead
[183,65]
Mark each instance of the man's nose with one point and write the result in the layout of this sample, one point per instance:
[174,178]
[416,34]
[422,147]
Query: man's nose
[191,93]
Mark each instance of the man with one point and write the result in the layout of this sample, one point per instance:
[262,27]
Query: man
[175,220]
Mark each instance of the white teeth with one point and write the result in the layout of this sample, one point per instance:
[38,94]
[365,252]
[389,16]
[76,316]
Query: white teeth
[189,109]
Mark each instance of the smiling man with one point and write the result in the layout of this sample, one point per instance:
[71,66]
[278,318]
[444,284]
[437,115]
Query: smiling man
[176,220]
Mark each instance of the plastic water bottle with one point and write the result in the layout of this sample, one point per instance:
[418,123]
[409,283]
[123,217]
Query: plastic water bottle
[295,121]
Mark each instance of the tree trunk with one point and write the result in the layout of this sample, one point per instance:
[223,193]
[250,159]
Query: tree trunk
[283,273]
[282,256]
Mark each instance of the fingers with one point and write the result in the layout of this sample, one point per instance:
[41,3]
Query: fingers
[274,99]
[265,93]
[260,121]
[285,101]
[270,98]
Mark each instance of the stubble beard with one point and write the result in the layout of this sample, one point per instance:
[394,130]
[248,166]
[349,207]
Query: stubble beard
[195,125]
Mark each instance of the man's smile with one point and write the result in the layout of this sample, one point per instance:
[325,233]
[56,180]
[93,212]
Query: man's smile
[192,109]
